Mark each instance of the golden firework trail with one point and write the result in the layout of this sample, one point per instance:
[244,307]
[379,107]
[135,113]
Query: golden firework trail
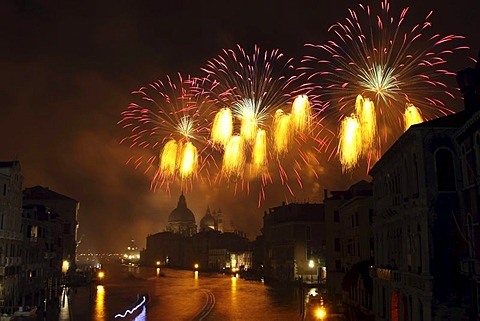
[350,143]
[412,116]
[282,133]
[222,128]
[188,160]
[301,113]
[168,158]
[234,157]
[367,118]
[259,153]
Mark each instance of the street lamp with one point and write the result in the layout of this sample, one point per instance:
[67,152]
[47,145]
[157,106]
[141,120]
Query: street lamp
[321,313]
[311,265]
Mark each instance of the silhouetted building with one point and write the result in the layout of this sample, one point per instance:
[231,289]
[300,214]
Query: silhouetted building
[295,243]
[212,221]
[181,219]
[349,255]
[419,238]
[181,246]
[11,237]
[42,255]
[67,209]
[468,138]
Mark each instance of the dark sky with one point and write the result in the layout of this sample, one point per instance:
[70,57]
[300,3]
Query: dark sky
[68,68]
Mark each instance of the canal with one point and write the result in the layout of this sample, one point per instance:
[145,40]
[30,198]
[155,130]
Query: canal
[180,295]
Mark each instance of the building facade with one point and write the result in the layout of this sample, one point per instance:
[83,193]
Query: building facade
[11,237]
[418,241]
[350,246]
[295,243]
[67,209]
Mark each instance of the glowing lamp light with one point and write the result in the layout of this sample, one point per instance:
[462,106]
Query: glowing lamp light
[196,266]
[321,313]
[311,264]
[101,275]
[65,266]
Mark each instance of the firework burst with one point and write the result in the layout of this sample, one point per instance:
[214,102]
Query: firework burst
[262,113]
[167,130]
[387,60]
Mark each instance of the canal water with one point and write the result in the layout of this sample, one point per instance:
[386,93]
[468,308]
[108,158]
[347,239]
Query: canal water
[180,295]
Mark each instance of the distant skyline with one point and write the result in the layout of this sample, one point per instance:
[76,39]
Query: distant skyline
[68,70]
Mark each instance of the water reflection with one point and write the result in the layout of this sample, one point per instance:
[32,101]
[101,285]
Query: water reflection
[142,316]
[100,304]
[65,309]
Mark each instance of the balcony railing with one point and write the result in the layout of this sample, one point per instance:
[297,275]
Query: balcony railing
[10,235]
[408,279]
[470,267]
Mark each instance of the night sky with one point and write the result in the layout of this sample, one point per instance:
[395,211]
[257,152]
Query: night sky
[68,68]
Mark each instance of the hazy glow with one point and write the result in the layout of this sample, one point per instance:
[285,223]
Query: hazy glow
[282,133]
[365,110]
[412,116]
[168,158]
[234,157]
[259,158]
[301,113]
[189,160]
[349,147]
[222,128]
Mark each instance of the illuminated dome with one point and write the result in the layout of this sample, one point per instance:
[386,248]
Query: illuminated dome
[208,222]
[182,213]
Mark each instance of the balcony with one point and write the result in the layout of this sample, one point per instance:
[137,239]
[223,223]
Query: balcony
[386,274]
[406,279]
[10,235]
[470,267]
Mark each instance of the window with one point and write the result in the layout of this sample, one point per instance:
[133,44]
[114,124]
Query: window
[338,265]
[370,216]
[415,176]
[356,218]
[336,216]
[337,244]
[66,228]
[445,170]
[4,189]
[308,233]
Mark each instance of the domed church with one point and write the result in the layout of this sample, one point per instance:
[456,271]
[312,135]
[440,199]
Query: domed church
[181,219]
[212,222]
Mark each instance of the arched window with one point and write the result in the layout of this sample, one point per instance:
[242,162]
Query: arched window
[415,176]
[470,234]
[445,170]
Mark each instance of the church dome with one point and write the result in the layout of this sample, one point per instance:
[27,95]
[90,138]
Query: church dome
[208,221]
[182,213]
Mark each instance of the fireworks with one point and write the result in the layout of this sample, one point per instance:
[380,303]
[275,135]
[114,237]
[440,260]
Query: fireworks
[168,121]
[386,60]
[412,116]
[222,128]
[261,118]
[349,148]
[253,93]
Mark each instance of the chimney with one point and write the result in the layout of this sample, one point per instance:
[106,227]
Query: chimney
[469,82]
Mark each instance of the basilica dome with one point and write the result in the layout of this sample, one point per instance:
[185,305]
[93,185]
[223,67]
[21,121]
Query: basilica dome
[182,213]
